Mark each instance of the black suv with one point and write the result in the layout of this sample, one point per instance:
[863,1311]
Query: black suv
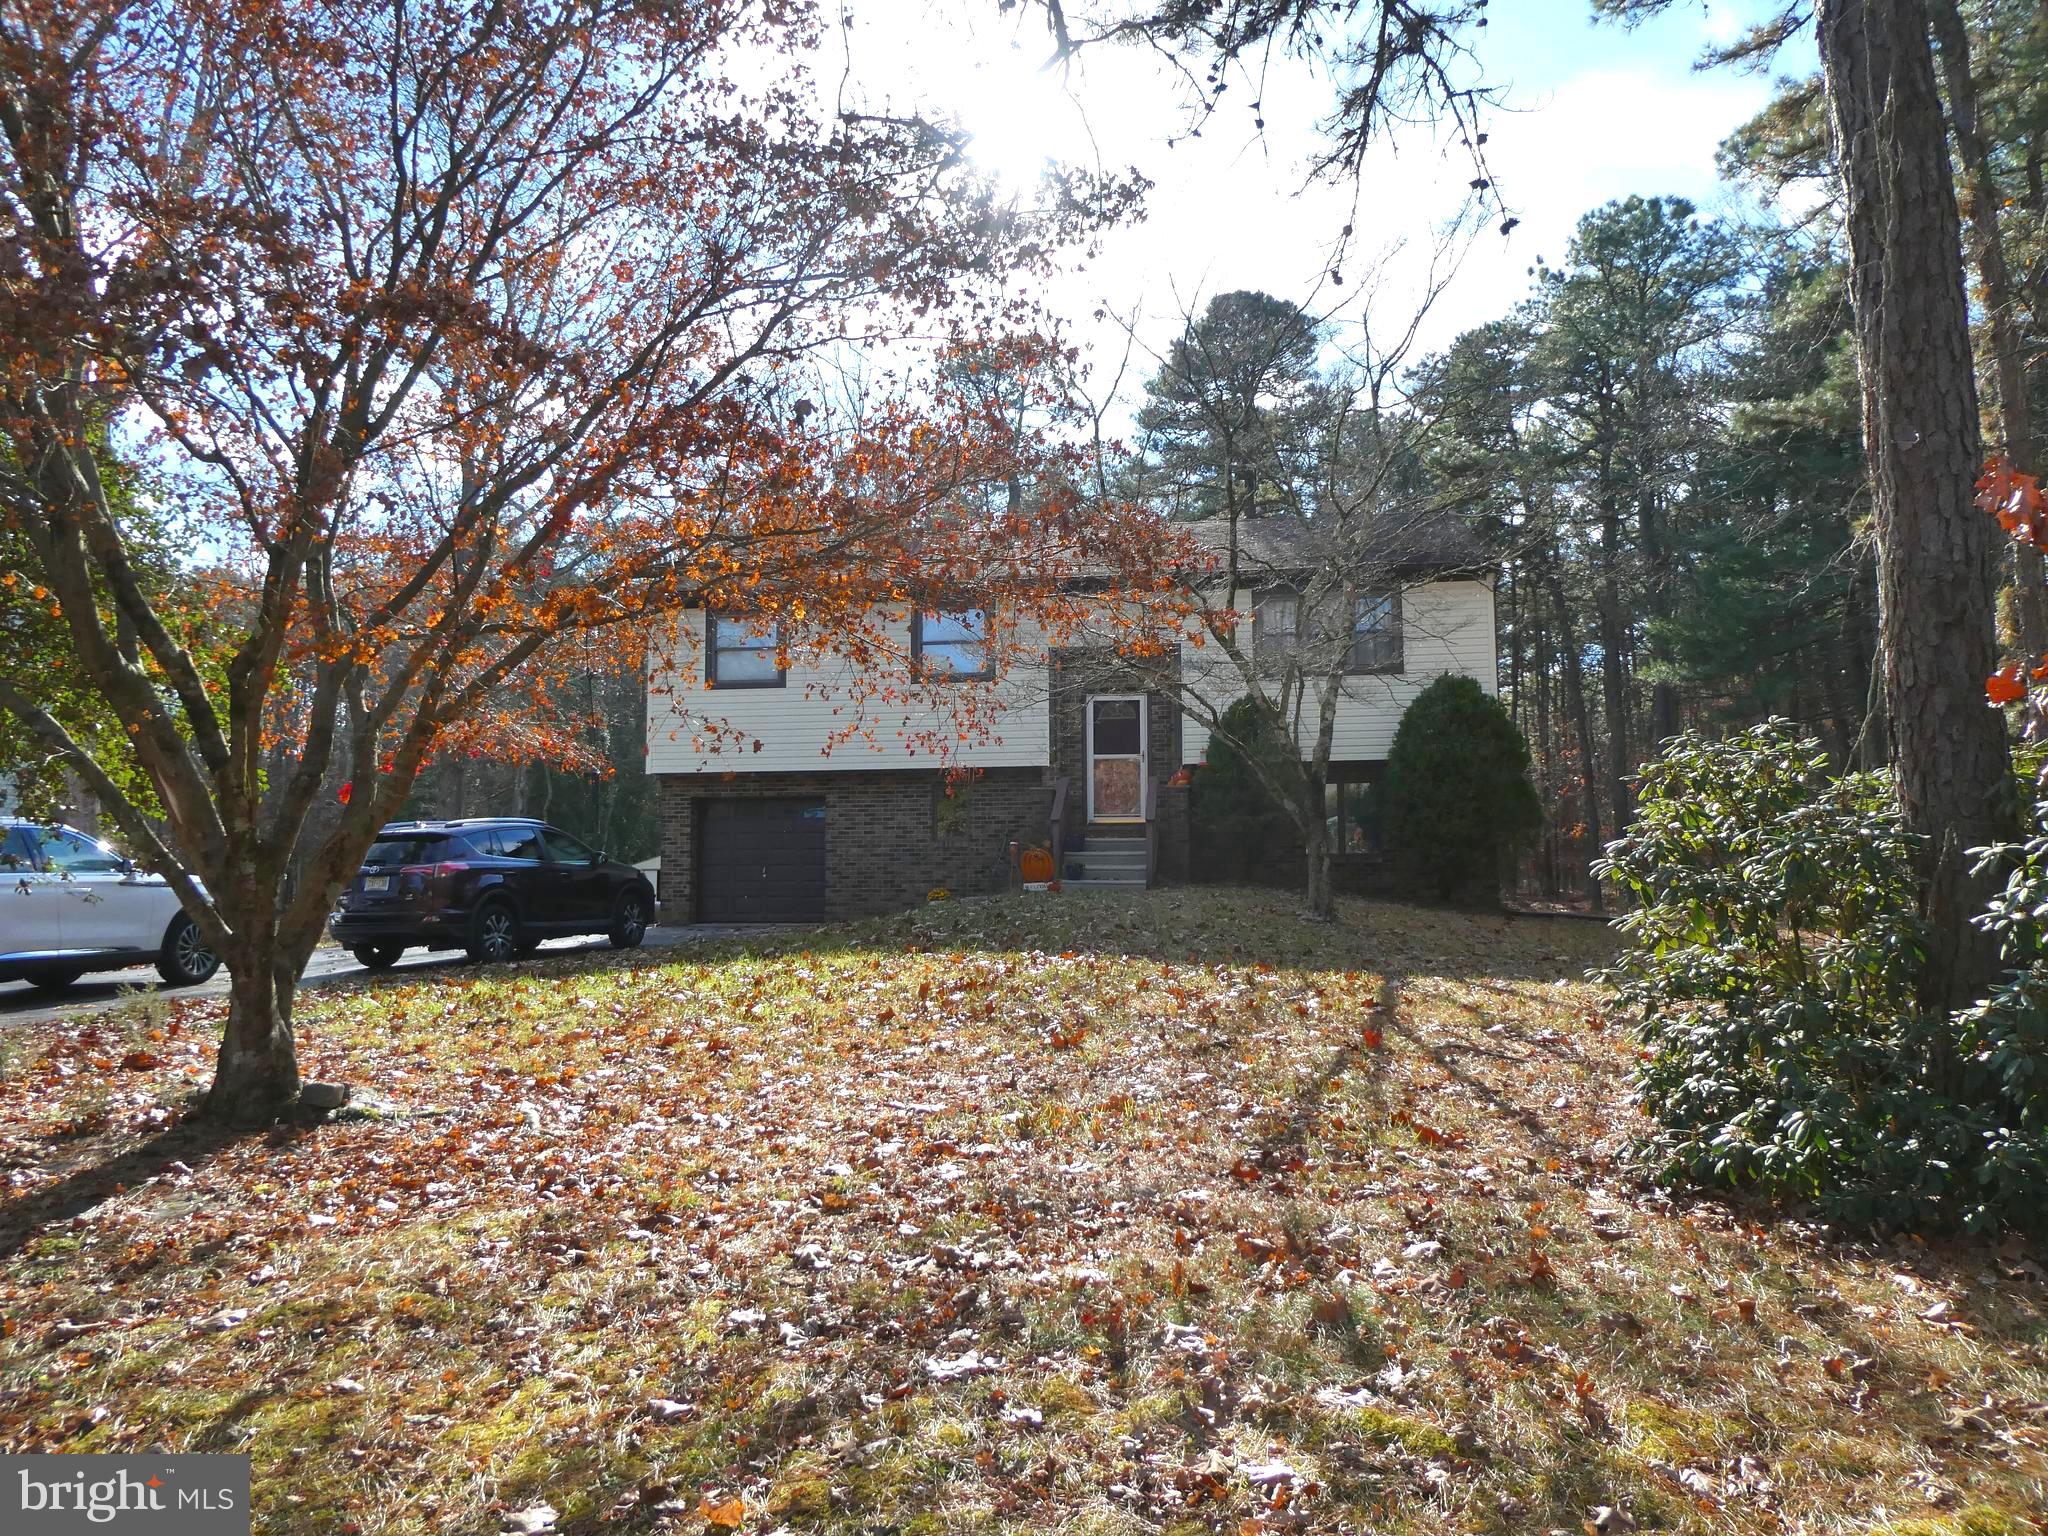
[495,886]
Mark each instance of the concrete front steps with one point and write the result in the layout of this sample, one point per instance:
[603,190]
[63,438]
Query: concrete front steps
[1110,858]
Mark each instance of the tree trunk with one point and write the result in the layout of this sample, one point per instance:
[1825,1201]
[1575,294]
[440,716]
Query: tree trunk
[1935,557]
[1664,710]
[2013,421]
[257,1075]
[1871,748]
[1613,669]
[1322,898]
[1546,753]
[1514,647]
[1582,725]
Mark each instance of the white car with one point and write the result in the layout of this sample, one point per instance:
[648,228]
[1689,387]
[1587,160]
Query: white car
[70,904]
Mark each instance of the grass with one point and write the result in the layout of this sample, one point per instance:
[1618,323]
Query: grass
[1084,1214]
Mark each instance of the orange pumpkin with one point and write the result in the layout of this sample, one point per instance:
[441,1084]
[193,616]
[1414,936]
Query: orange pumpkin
[1035,865]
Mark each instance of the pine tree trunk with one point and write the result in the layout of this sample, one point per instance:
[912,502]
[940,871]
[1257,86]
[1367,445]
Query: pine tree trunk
[1546,754]
[1613,670]
[2013,426]
[257,1075]
[1514,648]
[1664,710]
[1872,746]
[1935,550]
[1582,726]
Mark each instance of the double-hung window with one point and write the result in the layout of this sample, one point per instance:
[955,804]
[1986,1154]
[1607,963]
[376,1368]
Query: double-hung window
[1376,632]
[741,652]
[1276,618]
[951,647]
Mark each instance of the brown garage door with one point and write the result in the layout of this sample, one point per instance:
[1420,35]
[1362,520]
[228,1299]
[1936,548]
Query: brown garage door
[761,861]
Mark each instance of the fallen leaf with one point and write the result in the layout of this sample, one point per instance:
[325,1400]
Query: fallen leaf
[728,1515]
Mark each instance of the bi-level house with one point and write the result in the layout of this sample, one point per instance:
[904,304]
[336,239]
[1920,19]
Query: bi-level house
[787,816]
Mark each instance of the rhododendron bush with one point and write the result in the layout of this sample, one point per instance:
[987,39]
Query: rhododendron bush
[1775,950]
[461,347]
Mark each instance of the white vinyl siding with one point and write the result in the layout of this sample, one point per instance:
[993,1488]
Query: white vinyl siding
[1446,626]
[796,724]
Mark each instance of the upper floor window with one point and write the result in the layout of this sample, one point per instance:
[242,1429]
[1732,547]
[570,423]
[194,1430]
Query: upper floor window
[740,652]
[1376,632]
[951,646]
[1276,616]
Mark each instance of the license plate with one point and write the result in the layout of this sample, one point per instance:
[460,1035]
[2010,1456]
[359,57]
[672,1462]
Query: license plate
[376,883]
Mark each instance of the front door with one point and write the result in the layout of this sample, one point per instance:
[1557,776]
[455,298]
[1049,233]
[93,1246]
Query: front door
[1116,757]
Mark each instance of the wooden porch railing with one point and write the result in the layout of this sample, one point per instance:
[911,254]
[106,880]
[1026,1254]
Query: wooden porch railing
[1057,840]
[1151,829]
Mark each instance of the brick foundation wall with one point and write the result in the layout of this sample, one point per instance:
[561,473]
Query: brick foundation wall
[887,840]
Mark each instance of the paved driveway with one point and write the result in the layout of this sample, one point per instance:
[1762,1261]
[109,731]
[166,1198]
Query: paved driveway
[21,1003]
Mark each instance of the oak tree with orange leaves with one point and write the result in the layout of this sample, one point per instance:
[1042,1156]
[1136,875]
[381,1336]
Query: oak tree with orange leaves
[2014,498]
[463,343]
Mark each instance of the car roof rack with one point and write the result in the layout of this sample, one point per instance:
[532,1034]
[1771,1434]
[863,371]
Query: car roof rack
[460,821]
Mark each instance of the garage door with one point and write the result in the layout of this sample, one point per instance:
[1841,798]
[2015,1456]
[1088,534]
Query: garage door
[761,861]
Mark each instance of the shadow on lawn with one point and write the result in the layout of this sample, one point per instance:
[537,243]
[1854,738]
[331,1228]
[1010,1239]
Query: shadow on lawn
[1221,925]
[189,1142]
[1191,924]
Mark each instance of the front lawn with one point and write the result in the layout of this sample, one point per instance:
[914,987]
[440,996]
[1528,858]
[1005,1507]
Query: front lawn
[1078,1213]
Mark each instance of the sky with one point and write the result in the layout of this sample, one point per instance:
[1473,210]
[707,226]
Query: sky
[1589,113]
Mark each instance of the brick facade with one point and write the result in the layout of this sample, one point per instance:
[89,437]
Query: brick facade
[889,837]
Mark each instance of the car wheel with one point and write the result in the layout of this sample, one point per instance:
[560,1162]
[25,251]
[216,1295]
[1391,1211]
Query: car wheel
[494,934]
[377,957]
[185,961]
[53,981]
[629,921]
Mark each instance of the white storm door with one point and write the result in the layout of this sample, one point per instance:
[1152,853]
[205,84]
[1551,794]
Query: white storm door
[1116,757]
